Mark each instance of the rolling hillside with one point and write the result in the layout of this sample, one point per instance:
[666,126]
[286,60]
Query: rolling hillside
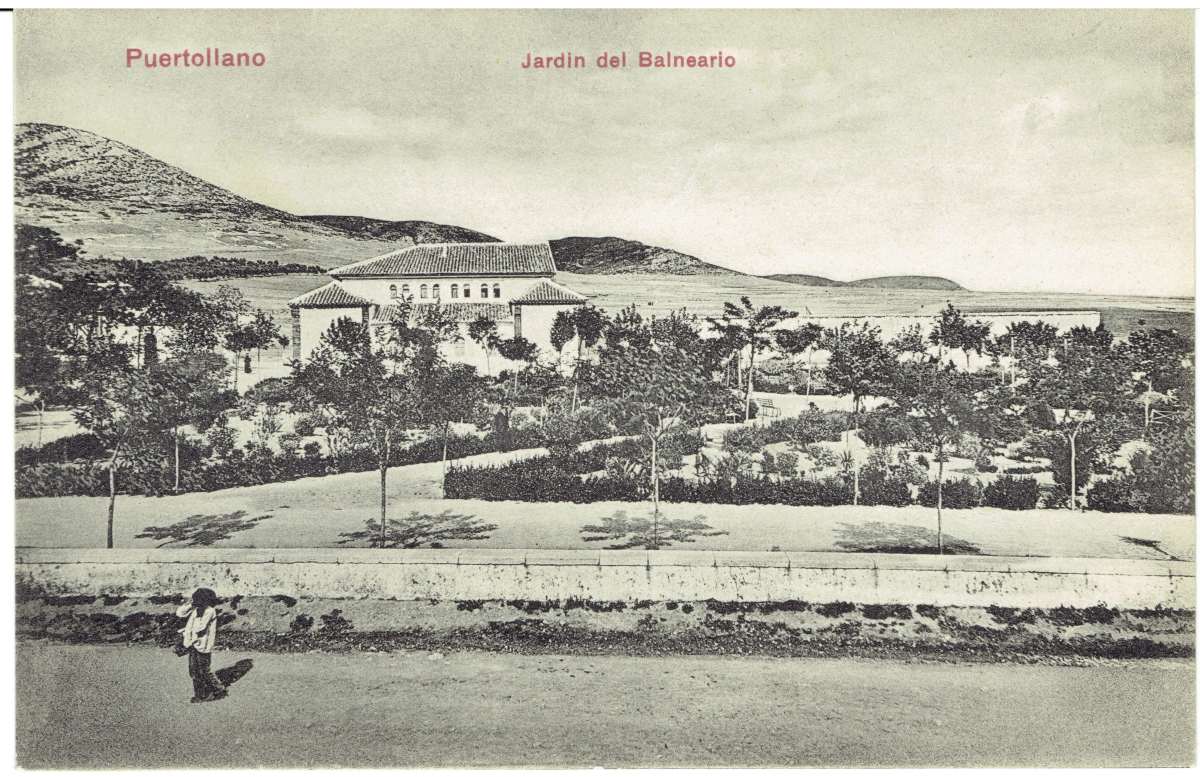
[122,202]
[616,256]
[922,282]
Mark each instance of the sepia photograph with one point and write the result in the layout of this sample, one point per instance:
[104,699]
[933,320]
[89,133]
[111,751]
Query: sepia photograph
[604,388]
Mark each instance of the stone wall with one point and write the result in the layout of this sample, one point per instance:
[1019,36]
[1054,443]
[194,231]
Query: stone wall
[615,576]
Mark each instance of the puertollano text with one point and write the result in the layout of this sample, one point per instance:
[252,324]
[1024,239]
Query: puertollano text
[209,56]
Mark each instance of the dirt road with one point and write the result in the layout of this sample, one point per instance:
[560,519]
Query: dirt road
[128,706]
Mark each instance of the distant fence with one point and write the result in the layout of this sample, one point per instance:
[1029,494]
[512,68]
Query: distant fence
[630,576]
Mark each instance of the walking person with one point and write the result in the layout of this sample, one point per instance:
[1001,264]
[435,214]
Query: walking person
[199,637]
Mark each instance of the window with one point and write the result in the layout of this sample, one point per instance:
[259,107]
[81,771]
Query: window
[424,291]
[454,291]
[392,291]
[437,291]
[495,291]
[466,291]
[483,290]
[404,290]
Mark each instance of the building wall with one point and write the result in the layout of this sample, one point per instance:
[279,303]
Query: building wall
[315,321]
[536,322]
[378,289]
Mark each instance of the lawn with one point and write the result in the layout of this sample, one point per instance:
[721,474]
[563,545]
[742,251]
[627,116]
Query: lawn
[313,512]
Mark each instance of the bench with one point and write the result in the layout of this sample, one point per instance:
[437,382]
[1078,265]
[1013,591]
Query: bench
[767,409]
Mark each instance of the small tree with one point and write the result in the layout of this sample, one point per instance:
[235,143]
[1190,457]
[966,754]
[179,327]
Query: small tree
[483,331]
[189,389]
[585,324]
[118,407]
[943,412]
[520,351]
[798,342]
[1085,386]
[749,327]
[860,363]
[371,391]
[653,388]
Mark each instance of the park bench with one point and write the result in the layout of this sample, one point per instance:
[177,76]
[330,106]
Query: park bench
[766,407]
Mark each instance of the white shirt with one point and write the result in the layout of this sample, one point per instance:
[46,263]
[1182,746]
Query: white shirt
[200,631]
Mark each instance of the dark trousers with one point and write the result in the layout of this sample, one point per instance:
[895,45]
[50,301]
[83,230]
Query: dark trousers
[204,684]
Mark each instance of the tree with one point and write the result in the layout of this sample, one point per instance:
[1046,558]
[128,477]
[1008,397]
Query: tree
[585,324]
[653,388]
[483,331]
[944,410]
[797,342]
[1159,360]
[910,342]
[750,327]
[117,407]
[1086,387]
[450,393]
[375,392]
[188,389]
[519,350]
[1025,343]
[860,363]
[952,330]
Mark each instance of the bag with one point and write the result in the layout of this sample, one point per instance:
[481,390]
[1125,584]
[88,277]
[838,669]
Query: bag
[179,649]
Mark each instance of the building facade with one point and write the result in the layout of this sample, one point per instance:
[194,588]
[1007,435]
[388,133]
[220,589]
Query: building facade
[510,283]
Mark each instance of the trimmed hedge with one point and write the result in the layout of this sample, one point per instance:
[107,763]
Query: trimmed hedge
[1009,493]
[248,466]
[956,494]
[884,491]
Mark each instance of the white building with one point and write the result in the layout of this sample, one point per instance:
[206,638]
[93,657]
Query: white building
[510,283]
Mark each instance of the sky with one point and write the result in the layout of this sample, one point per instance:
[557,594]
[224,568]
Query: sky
[1011,150]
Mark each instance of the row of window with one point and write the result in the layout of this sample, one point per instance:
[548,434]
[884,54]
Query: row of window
[424,290]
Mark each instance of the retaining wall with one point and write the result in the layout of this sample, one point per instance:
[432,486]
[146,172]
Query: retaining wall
[628,576]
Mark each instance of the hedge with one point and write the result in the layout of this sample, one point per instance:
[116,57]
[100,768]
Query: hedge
[248,466]
[1009,493]
[956,494]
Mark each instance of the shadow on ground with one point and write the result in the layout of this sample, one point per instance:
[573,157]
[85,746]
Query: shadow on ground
[880,537]
[231,674]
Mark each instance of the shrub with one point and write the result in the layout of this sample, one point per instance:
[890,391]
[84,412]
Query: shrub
[885,428]
[75,479]
[821,456]
[923,460]
[956,494]
[74,447]
[1009,493]
[744,439]
[1116,495]
[809,427]
[883,491]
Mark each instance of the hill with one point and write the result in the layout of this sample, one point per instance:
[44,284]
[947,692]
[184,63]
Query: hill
[417,231]
[121,202]
[804,280]
[923,282]
[616,256]
[931,282]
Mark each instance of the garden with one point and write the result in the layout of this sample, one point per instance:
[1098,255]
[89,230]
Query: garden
[623,409]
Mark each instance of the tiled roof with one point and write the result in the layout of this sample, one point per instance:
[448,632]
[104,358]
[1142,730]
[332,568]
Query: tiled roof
[448,259]
[331,295]
[458,312]
[550,293]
